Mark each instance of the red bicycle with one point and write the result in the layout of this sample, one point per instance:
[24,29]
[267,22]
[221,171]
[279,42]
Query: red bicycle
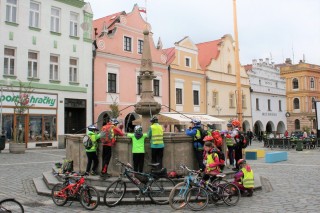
[74,187]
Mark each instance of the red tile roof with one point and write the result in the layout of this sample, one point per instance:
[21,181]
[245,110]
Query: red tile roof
[248,67]
[98,23]
[170,52]
[208,51]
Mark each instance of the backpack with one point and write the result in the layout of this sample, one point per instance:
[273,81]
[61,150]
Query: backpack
[222,159]
[203,133]
[67,166]
[108,133]
[217,138]
[87,142]
[242,140]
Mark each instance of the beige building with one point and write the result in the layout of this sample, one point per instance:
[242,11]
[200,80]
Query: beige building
[302,89]
[187,80]
[217,59]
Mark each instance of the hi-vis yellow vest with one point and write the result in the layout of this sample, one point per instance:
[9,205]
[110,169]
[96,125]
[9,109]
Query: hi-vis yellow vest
[157,134]
[210,159]
[248,179]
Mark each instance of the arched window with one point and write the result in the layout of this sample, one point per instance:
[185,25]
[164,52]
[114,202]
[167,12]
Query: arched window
[312,83]
[229,69]
[296,104]
[295,83]
[297,124]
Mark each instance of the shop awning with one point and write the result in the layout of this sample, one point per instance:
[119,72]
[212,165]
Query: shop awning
[183,119]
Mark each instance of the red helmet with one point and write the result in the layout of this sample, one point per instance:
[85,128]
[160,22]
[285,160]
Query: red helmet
[236,123]
[241,161]
[228,136]
[172,174]
[208,138]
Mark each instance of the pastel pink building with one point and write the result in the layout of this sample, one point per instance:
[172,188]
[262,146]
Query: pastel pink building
[117,65]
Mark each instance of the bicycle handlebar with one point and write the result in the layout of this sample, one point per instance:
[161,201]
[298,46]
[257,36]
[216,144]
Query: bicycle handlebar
[190,170]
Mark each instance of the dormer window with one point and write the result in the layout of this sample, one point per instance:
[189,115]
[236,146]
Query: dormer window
[188,62]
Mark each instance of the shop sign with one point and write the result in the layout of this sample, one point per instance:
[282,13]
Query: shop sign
[35,100]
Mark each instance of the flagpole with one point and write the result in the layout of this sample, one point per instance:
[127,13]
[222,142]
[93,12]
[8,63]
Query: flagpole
[237,63]
[146,11]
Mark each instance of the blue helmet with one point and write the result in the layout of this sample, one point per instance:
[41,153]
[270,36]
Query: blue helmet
[196,121]
[114,121]
[92,128]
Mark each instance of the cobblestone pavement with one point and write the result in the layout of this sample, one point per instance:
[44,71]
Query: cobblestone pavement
[288,186]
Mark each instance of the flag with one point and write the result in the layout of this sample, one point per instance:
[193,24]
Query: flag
[142,10]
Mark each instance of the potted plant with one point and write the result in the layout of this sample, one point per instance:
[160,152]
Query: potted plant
[18,145]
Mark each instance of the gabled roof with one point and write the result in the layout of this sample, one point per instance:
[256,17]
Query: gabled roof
[109,20]
[247,67]
[208,51]
[170,52]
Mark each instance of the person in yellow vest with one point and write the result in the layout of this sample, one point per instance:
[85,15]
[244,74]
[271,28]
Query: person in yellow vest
[230,141]
[138,148]
[244,179]
[155,134]
[211,159]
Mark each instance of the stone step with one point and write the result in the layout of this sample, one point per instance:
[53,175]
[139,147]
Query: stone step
[41,186]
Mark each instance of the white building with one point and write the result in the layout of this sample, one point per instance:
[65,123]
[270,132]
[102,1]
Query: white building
[47,43]
[268,97]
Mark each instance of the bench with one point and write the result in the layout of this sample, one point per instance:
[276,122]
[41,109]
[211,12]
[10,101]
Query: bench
[251,155]
[273,157]
[260,152]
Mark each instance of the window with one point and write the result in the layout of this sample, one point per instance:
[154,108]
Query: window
[140,46]
[156,87]
[188,62]
[259,82]
[296,104]
[295,83]
[178,96]
[73,24]
[54,68]
[9,61]
[269,105]
[139,85]
[127,44]
[112,82]
[280,109]
[297,124]
[257,104]
[276,84]
[244,102]
[55,20]
[312,83]
[32,65]
[214,99]
[196,97]
[34,15]
[73,70]
[11,11]
[231,101]
[313,102]
[229,69]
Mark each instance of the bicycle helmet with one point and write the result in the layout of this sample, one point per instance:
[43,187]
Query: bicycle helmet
[196,121]
[92,128]
[172,174]
[138,128]
[114,121]
[229,125]
[208,138]
[241,161]
[235,123]
[154,119]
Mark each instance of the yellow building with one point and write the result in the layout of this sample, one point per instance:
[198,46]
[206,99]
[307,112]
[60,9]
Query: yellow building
[187,80]
[302,89]
[217,59]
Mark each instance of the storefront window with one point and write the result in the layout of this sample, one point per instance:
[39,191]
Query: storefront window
[35,128]
[7,125]
[50,132]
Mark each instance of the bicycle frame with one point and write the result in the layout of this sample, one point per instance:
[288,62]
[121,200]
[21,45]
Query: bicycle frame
[72,189]
[189,180]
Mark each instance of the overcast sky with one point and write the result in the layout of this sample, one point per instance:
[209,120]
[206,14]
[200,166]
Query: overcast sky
[267,28]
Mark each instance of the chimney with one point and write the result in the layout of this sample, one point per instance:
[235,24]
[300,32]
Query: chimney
[254,62]
[288,61]
[260,61]
[267,61]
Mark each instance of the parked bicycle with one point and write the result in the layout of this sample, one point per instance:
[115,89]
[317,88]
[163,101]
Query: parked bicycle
[74,187]
[197,198]
[177,194]
[11,205]
[156,185]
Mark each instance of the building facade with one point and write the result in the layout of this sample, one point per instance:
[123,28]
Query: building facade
[268,98]
[302,90]
[187,79]
[117,65]
[46,45]
[217,59]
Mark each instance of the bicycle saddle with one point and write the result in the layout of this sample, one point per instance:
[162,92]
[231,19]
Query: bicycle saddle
[154,164]
[222,175]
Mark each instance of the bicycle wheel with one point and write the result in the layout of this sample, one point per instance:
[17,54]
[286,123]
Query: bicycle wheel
[160,190]
[176,196]
[197,198]
[89,198]
[58,195]
[231,194]
[114,193]
[11,205]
